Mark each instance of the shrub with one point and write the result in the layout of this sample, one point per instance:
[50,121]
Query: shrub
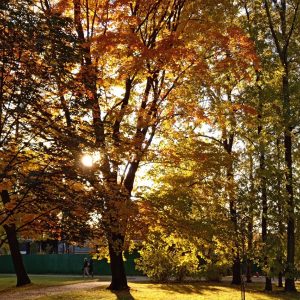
[213,272]
[164,257]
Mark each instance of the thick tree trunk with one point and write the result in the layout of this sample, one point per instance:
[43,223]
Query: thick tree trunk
[10,230]
[22,277]
[118,275]
[116,233]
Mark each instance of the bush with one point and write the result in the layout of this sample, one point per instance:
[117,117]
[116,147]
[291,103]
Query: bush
[155,264]
[213,273]
[165,257]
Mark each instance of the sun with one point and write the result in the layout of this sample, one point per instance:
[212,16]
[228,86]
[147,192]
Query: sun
[87,160]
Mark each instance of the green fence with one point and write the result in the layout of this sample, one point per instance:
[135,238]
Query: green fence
[63,264]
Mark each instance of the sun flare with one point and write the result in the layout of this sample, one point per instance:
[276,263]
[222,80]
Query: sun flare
[87,160]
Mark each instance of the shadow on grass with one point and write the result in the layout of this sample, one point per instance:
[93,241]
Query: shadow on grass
[191,288]
[276,294]
[220,287]
[123,295]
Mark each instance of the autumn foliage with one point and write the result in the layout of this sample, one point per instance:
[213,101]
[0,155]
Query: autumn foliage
[188,94]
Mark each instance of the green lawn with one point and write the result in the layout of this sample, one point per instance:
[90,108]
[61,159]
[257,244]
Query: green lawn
[174,292]
[195,291]
[148,291]
[9,282]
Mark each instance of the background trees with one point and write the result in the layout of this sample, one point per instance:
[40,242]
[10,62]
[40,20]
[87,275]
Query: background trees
[206,90]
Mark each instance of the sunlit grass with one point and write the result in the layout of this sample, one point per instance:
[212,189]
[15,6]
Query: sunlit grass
[148,291]
[38,281]
[195,291]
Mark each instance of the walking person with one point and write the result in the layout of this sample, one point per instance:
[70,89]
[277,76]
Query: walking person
[91,267]
[85,268]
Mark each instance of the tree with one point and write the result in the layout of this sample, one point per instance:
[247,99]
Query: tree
[186,211]
[16,90]
[287,14]
[146,49]
[25,177]
[96,120]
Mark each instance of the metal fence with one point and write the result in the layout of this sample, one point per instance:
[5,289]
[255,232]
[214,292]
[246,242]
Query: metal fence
[64,264]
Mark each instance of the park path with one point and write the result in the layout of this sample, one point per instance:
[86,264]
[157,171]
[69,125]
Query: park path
[29,294]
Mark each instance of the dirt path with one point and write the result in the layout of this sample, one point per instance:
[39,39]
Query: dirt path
[29,293]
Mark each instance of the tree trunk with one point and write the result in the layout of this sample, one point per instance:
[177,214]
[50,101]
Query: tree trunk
[236,271]
[281,229]
[263,190]
[116,239]
[249,271]
[118,275]
[280,282]
[250,246]
[10,230]
[22,277]
[282,43]
[236,266]
[268,284]
[250,224]
[289,272]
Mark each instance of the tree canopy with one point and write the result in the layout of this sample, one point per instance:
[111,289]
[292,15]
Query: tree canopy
[168,126]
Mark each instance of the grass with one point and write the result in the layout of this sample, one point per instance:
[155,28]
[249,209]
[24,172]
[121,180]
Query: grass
[9,281]
[195,291]
[148,291]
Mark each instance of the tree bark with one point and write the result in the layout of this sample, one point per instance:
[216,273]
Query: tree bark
[250,224]
[263,188]
[289,272]
[280,281]
[264,225]
[280,212]
[249,271]
[282,42]
[236,266]
[115,236]
[236,271]
[118,275]
[250,246]
[22,276]
[268,284]
[10,230]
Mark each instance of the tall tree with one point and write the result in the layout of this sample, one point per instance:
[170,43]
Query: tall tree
[286,13]
[15,89]
[25,178]
[144,49]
